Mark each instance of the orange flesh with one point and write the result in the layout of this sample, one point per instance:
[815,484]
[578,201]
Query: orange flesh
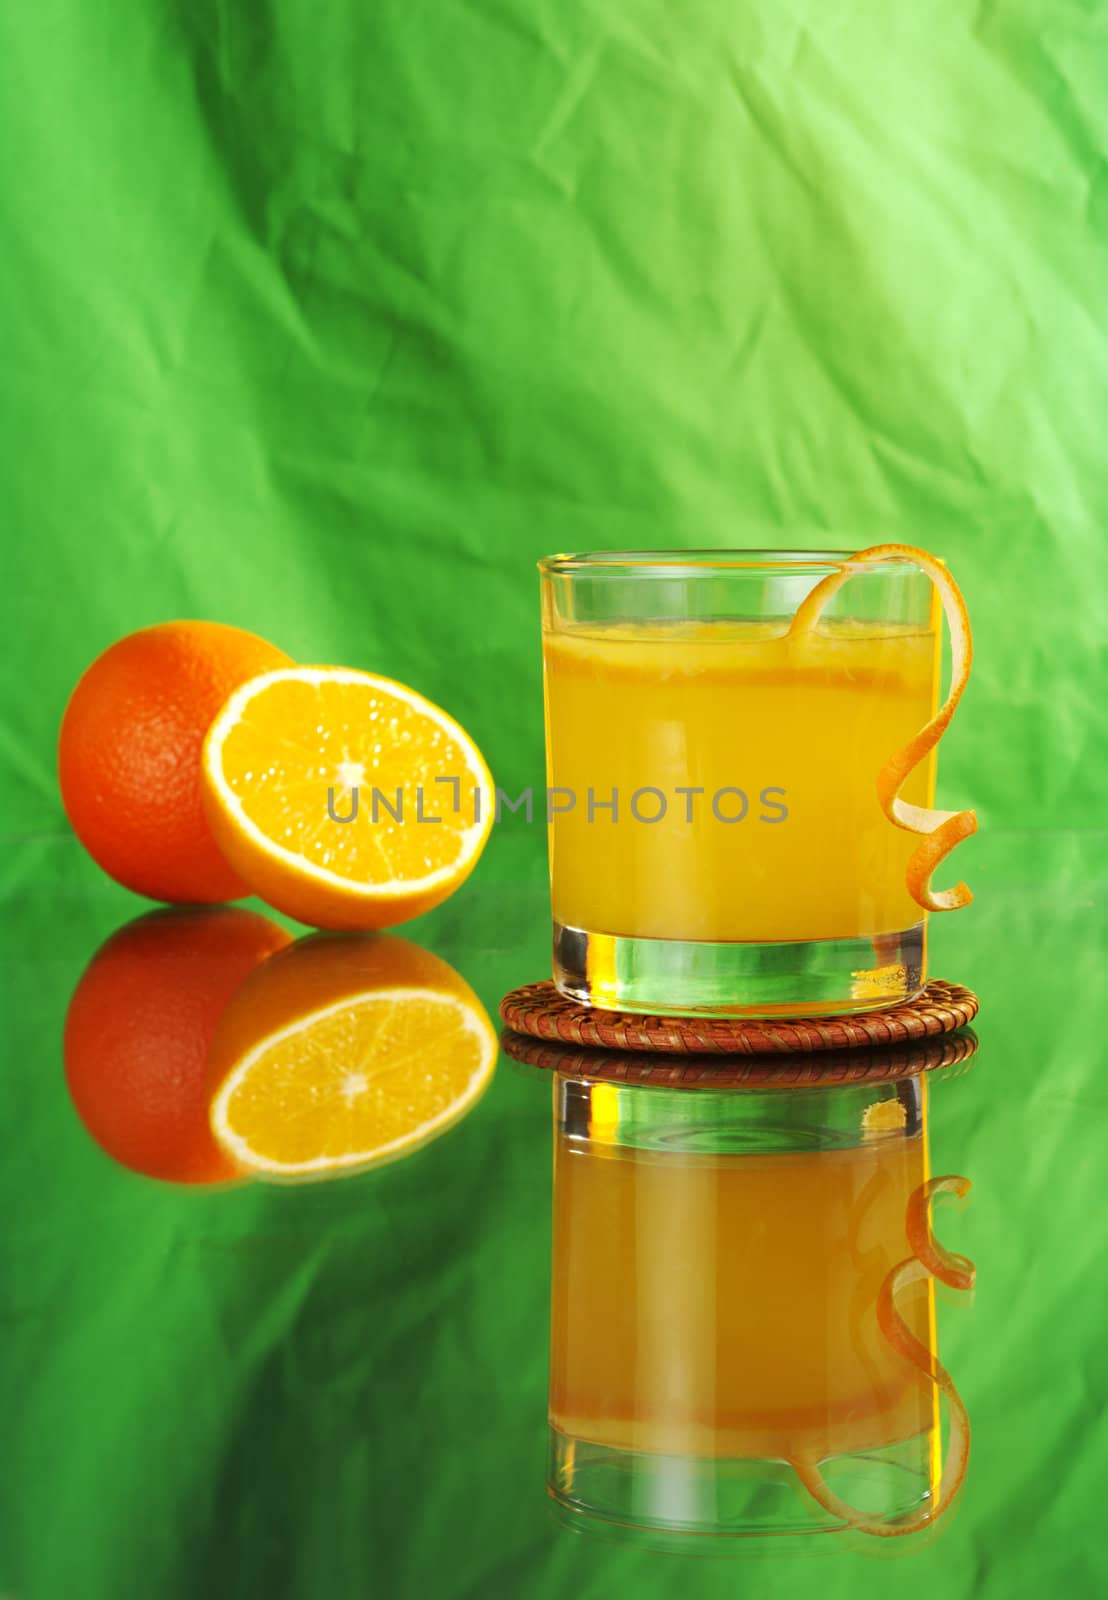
[296,740]
[349,1085]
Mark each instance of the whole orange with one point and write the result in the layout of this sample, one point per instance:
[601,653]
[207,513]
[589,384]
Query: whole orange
[129,755]
[139,1030]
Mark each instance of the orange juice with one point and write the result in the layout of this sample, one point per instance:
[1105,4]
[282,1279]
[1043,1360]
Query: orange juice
[765,748]
[725,1305]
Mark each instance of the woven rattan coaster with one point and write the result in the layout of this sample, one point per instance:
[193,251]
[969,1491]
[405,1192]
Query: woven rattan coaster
[804,1070]
[537,1009]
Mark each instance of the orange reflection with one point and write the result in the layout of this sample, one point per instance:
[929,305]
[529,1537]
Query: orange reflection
[346,1051]
[204,1047]
[140,1026]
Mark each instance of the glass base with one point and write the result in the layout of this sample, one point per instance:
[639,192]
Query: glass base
[708,1495]
[698,978]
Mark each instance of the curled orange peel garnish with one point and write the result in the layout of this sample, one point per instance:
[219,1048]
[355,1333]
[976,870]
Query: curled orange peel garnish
[958,1272]
[940,830]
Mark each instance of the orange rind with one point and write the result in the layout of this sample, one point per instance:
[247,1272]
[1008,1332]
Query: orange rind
[939,831]
[958,1272]
[139,1030]
[929,1260]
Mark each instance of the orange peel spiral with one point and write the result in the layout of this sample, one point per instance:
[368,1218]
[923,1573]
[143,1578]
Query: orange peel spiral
[930,1260]
[940,831]
[958,1272]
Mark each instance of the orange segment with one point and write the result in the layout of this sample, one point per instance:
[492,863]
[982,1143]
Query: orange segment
[940,830]
[294,753]
[351,1052]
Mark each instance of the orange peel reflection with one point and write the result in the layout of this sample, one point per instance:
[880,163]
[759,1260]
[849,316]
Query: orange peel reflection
[929,1260]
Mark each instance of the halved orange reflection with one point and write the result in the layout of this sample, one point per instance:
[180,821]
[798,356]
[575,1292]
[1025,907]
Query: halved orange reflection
[345,1051]
[139,1029]
[205,1047]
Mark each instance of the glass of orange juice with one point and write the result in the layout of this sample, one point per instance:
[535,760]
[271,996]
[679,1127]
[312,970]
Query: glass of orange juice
[717,845]
[717,1359]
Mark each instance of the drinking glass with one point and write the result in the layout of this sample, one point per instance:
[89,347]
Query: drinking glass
[716,842]
[717,1261]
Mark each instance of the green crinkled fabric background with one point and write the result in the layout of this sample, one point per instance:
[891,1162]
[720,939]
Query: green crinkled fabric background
[329,320]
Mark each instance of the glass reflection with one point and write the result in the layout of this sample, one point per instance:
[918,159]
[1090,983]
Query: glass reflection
[743,1334]
[208,1047]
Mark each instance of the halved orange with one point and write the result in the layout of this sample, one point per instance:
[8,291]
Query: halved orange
[940,831]
[344,799]
[344,1052]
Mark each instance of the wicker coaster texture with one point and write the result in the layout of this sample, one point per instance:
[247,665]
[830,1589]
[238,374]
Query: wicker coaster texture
[805,1070]
[538,1010]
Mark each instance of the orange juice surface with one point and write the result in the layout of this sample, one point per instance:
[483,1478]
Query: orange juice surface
[726,1305]
[781,736]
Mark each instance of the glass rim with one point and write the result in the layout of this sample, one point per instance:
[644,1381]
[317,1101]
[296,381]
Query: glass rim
[685,563]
